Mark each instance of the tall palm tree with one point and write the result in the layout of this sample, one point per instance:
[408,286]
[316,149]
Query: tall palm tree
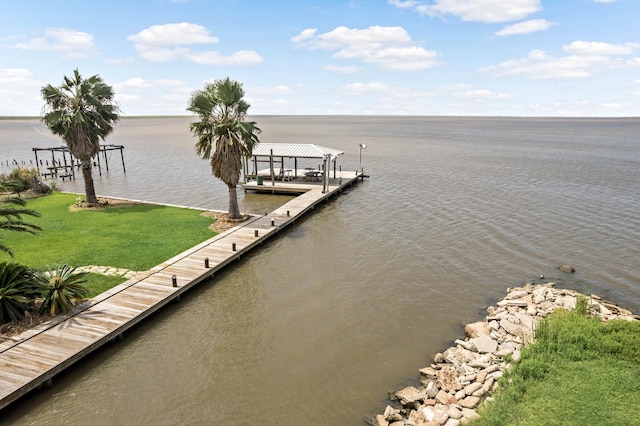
[223,135]
[11,219]
[82,112]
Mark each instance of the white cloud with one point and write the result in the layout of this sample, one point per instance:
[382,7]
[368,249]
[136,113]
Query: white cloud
[386,90]
[481,95]
[69,43]
[584,60]
[179,34]
[605,1]
[138,96]
[474,10]
[387,47]
[407,4]
[595,48]
[163,43]
[241,57]
[278,90]
[341,69]
[307,34]
[19,92]
[526,27]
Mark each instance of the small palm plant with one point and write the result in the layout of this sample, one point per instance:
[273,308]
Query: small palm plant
[62,288]
[11,219]
[17,291]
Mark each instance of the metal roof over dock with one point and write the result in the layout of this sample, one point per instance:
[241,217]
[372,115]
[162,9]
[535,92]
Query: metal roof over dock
[294,150]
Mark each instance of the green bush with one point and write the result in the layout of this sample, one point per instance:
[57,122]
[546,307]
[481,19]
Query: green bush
[21,179]
[62,288]
[17,291]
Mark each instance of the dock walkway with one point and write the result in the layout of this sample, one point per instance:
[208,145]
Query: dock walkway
[34,357]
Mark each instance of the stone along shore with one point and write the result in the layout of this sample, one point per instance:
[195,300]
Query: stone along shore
[463,377]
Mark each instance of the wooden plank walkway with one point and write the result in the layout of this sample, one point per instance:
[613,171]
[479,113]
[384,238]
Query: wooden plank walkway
[33,358]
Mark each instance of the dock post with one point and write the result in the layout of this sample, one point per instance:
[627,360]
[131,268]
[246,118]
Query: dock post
[256,233]
[233,246]
[206,262]
[174,281]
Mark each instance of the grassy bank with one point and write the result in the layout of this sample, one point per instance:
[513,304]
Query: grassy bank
[135,237]
[580,371]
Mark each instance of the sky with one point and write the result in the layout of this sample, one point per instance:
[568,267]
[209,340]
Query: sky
[541,58]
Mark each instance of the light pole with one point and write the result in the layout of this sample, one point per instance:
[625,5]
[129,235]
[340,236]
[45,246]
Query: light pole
[362,146]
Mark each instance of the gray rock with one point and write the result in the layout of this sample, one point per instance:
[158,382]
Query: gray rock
[454,413]
[566,268]
[431,390]
[381,421]
[516,355]
[515,302]
[429,372]
[568,302]
[539,295]
[477,328]
[469,402]
[484,344]
[469,390]
[448,378]
[442,397]
[469,414]
[409,395]
[516,294]
[511,328]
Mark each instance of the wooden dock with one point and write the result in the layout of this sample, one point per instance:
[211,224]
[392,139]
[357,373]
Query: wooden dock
[33,358]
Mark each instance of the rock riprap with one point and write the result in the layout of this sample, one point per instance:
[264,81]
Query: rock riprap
[463,377]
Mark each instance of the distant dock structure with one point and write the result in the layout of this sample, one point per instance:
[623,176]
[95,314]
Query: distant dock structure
[64,166]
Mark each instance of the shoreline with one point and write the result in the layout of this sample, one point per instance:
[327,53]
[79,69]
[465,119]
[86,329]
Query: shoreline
[463,378]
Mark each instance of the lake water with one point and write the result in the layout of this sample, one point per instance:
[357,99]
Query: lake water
[318,325]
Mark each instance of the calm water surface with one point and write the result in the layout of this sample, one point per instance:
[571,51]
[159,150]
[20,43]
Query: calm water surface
[318,325]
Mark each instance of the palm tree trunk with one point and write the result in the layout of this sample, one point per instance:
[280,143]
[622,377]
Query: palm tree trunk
[89,190]
[234,210]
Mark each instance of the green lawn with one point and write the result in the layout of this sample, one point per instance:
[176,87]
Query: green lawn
[135,237]
[580,371]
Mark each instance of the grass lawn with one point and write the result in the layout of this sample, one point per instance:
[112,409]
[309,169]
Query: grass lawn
[580,371]
[135,237]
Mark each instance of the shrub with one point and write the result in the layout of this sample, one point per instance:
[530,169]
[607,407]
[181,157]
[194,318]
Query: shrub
[21,179]
[17,291]
[62,288]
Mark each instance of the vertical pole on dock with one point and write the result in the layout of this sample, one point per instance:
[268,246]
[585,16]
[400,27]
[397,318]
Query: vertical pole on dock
[106,161]
[273,222]
[122,158]
[53,163]
[99,165]
[256,233]
[35,151]
[206,262]
[174,280]
[233,246]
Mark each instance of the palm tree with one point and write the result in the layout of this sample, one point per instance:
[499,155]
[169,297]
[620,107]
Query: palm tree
[11,219]
[82,112]
[223,135]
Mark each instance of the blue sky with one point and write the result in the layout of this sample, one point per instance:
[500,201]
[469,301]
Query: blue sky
[576,58]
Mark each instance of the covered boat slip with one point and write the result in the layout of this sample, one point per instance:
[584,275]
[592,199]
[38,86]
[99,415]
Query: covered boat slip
[293,168]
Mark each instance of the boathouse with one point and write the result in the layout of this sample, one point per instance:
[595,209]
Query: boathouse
[289,162]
